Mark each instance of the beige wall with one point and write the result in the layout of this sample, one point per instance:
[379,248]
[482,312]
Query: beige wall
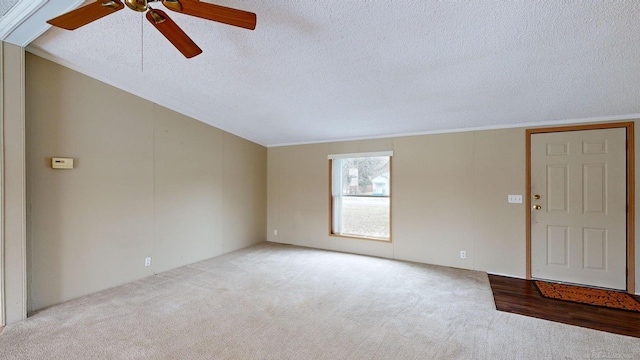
[147,182]
[169,187]
[12,254]
[449,193]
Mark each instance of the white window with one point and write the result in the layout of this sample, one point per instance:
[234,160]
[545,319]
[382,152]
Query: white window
[361,195]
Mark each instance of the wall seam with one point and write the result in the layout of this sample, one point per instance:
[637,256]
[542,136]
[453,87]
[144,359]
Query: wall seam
[474,180]
[154,131]
[23,202]
[2,227]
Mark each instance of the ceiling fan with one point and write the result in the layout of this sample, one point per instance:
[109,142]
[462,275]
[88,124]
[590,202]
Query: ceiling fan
[159,19]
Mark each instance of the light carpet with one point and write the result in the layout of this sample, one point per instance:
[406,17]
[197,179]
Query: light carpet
[275,301]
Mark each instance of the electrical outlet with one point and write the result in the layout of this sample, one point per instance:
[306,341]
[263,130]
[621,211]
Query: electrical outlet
[275,232]
[463,254]
[147,261]
[514,199]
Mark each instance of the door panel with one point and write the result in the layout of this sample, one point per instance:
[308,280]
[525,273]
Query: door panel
[558,245]
[594,188]
[557,188]
[578,224]
[595,249]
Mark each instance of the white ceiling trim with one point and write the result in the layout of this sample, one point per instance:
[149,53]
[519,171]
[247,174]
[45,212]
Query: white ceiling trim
[35,31]
[33,23]
[17,15]
[598,119]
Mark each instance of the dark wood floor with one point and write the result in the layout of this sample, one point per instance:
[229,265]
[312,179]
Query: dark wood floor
[522,297]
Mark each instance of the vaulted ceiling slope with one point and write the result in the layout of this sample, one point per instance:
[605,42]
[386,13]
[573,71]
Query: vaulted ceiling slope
[316,71]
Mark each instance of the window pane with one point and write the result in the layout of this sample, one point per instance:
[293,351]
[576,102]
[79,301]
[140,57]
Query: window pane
[365,216]
[360,190]
[365,176]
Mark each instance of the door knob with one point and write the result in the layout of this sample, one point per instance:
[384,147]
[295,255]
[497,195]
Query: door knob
[536,197]
[537,207]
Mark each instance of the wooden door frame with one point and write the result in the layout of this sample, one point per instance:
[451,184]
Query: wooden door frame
[628,126]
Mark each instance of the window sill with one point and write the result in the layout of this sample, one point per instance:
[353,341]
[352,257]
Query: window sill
[356,237]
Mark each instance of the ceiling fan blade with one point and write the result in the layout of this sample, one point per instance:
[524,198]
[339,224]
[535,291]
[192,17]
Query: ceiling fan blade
[86,14]
[225,15]
[173,33]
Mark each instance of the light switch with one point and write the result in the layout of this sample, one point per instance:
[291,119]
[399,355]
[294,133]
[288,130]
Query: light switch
[515,199]
[62,163]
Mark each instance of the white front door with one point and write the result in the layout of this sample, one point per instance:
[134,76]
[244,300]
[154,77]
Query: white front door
[578,217]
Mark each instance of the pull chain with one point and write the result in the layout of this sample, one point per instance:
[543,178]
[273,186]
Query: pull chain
[142,42]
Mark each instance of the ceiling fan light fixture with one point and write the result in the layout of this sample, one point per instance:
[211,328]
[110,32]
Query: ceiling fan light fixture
[110,4]
[137,5]
[172,4]
[157,18]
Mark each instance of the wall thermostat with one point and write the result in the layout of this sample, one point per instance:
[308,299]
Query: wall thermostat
[62,163]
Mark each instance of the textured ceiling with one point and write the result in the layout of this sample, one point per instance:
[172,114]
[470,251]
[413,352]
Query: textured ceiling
[328,70]
[5,5]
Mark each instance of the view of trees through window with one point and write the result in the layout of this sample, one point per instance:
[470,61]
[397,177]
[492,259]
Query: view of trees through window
[361,197]
[365,176]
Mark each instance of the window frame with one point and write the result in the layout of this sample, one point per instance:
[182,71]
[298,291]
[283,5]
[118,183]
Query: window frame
[333,157]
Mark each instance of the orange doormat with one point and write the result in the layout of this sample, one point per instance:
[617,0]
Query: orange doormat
[591,296]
